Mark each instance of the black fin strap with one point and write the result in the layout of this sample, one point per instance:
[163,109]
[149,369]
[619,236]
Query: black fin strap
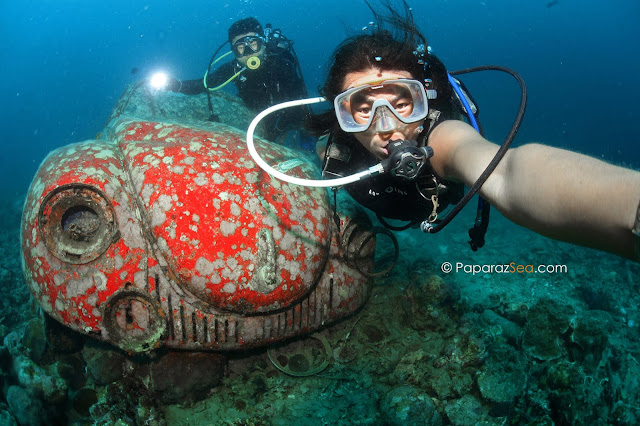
[480,226]
[336,218]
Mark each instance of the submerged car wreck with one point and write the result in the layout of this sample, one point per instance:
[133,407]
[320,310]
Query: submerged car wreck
[164,232]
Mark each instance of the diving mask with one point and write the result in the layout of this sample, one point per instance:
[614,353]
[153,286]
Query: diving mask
[388,104]
[247,45]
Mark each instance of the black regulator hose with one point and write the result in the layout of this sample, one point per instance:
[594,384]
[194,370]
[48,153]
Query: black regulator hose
[432,229]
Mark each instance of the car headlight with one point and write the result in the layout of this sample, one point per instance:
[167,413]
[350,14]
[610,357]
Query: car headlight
[77,223]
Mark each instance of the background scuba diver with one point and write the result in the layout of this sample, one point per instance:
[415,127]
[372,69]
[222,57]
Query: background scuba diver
[557,193]
[265,71]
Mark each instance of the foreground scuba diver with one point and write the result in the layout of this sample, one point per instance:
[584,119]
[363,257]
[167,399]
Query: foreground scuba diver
[265,70]
[383,115]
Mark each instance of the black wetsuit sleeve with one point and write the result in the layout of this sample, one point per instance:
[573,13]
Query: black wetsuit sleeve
[192,87]
[216,78]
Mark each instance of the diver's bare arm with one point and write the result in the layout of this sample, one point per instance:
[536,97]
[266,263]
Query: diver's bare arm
[558,193]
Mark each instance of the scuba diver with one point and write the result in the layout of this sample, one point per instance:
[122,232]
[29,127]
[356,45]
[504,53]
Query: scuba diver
[395,141]
[266,71]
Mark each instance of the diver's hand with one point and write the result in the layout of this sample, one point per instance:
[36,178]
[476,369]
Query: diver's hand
[162,81]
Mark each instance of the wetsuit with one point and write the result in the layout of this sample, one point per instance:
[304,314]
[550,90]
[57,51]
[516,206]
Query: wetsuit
[385,195]
[275,81]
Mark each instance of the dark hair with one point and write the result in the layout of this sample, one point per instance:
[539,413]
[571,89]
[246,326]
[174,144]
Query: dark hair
[394,43]
[243,26]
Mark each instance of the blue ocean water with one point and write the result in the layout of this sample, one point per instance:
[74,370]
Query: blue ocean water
[66,62]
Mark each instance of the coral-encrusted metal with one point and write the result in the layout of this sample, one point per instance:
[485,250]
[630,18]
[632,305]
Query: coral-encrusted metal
[169,234]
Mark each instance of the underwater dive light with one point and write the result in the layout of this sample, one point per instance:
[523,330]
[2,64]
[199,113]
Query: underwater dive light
[159,80]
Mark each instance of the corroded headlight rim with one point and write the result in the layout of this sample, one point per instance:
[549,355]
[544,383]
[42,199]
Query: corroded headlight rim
[60,242]
[125,337]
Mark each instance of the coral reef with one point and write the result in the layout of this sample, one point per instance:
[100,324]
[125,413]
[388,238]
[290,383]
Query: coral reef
[427,349]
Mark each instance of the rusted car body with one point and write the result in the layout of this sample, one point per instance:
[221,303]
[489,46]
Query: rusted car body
[164,232]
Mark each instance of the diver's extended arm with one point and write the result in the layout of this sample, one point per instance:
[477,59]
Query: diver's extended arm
[191,87]
[195,87]
[558,193]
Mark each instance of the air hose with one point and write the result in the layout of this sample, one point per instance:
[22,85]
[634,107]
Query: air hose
[431,228]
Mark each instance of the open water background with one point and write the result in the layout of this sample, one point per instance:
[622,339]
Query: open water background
[66,62]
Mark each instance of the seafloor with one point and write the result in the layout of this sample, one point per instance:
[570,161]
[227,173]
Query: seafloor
[428,348]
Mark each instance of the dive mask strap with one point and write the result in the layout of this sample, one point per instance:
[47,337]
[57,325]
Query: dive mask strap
[636,236]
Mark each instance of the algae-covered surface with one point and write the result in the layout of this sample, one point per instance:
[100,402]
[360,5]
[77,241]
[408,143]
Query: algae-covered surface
[429,347]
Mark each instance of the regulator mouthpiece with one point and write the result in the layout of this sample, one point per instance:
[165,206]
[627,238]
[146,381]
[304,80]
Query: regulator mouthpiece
[253,63]
[406,160]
